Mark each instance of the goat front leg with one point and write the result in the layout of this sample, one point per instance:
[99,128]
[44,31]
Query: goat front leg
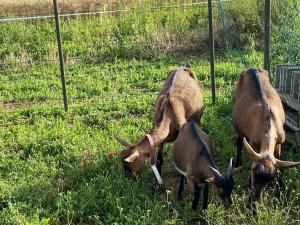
[205,196]
[277,154]
[159,158]
[251,204]
[196,196]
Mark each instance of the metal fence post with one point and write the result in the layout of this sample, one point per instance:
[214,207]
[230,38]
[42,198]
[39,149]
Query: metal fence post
[60,52]
[212,51]
[267,35]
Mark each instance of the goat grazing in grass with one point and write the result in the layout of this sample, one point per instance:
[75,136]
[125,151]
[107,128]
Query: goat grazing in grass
[178,101]
[258,118]
[193,159]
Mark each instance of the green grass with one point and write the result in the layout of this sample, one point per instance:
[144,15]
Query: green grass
[42,177]
[46,177]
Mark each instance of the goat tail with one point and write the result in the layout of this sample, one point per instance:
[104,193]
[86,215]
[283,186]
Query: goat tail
[259,87]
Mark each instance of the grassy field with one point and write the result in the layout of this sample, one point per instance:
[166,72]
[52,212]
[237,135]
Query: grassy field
[139,34]
[54,168]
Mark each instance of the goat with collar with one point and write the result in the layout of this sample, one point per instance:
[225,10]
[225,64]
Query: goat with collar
[179,100]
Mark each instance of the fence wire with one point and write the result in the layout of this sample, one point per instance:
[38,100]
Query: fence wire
[40,8]
[26,40]
[97,31]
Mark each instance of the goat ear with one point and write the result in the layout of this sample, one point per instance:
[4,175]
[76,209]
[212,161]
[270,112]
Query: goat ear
[286,164]
[134,156]
[237,170]
[210,180]
[123,142]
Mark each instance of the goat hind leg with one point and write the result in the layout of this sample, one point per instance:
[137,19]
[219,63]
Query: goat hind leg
[181,187]
[179,112]
[196,196]
[251,204]
[205,196]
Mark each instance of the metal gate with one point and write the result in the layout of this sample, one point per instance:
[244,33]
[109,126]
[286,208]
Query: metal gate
[288,87]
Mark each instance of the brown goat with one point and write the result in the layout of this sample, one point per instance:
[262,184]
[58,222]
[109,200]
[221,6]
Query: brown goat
[179,100]
[193,159]
[258,118]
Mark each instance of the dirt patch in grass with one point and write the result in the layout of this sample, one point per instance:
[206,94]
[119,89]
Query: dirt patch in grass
[11,106]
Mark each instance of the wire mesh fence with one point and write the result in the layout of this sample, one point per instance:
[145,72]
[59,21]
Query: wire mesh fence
[286,64]
[14,8]
[94,32]
[118,31]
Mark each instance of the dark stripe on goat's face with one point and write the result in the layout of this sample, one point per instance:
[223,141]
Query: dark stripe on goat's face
[260,182]
[263,173]
[203,151]
[225,188]
[127,169]
[226,184]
